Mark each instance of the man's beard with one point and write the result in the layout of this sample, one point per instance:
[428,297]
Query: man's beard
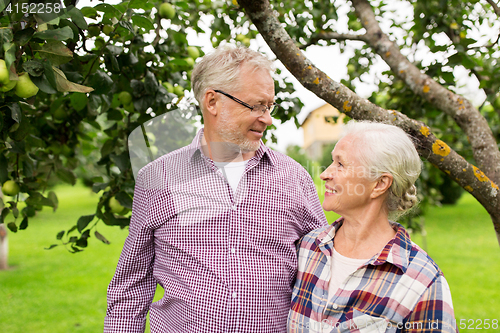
[230,133]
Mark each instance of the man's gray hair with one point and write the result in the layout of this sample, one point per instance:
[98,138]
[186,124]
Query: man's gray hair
[221,68]
[383,148]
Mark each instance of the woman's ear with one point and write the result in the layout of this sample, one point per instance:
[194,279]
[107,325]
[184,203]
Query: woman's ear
[382,186]
[210,102]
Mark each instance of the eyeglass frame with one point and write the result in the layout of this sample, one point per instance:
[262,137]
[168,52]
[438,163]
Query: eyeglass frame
[271,109]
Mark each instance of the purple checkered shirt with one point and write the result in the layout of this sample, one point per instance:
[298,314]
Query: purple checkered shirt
[226,260]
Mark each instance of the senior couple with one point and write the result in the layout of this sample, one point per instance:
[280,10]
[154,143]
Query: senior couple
[236,236]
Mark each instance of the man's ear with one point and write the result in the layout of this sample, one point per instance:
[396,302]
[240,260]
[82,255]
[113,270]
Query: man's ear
[382,186]
[210,102]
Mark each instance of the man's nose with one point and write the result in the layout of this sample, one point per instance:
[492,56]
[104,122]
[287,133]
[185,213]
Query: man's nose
[266,118]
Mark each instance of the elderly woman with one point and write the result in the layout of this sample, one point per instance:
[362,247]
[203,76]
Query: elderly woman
[363,273]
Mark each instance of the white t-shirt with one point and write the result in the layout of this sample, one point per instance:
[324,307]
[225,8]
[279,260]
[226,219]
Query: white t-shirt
[341,268]
[232,171]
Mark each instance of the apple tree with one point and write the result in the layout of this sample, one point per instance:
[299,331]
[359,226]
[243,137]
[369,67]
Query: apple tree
[75,82]
[422,97]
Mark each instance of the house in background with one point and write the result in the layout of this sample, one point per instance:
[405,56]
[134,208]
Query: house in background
[321,127]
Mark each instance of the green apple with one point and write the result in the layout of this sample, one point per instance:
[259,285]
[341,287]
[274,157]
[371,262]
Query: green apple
[115,206]
[107,29]
[99,43]
[351,69]
[4,72]
[167,10]
[151,138]
[124,97]
[154,150]
[240,37]
[129,107]
[169,87]
[487,108]
[246,42]
[24,87]
[10,188]
[60,114]
[4,87]
[179,91]
[496,103]
[193,52]
[94,30]
[189,61]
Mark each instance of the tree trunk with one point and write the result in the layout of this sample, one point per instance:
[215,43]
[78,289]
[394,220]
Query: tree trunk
[4,247]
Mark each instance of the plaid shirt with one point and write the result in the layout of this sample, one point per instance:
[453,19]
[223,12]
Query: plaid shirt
[401,289]
[227,260]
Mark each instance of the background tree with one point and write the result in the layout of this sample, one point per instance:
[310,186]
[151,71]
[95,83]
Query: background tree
[99,72]
[74,83]
[425,96]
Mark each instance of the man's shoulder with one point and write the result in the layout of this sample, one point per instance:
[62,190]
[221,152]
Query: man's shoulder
[176,159]
[283,161]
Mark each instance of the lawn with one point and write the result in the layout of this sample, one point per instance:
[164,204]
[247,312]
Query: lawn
[56,291]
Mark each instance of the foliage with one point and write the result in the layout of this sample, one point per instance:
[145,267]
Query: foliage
[76,125]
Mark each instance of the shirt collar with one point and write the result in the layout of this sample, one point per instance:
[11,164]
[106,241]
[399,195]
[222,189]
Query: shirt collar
[396,251]
[262,152]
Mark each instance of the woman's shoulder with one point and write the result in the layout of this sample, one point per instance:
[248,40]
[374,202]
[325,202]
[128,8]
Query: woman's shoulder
[421,263]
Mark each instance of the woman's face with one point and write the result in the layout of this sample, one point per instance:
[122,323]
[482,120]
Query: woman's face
[347,186]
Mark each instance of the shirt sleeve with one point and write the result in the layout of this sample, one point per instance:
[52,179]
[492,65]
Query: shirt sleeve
[314,217]
[434,311]
[132,288]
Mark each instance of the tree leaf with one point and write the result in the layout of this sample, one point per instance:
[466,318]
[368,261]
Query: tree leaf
[43,83]
[66,176]
[53,197]
[12,226]
[143,22]
[55,34]
[63,85]
[33,67]
[101,82]
[84,221]
[24,223]
[51,247]
[124,199]
[89,12]
[56,52]
[150,83]
[23,36]
[78,101]
[60,235]
[101,238]
[77,17]
[4,174]
[108,9]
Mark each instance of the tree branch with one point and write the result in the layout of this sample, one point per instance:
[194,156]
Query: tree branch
[435,151]
[328,36]
[469,119]
[495,7]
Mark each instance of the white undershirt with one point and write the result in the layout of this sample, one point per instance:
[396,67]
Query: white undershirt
[341,268]
[232,171]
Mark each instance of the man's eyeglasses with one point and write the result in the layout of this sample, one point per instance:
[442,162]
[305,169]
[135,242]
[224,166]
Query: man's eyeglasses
[257,110]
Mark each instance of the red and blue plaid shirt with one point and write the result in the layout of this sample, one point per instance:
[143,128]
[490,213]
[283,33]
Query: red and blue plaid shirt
[227,260]
[401,289]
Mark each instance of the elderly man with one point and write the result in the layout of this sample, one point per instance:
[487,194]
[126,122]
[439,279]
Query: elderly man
[215,223]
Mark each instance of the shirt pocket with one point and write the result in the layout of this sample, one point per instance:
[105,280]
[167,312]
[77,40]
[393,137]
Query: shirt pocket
[369,324]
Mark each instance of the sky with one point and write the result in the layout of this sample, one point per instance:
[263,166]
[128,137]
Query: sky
[334,64]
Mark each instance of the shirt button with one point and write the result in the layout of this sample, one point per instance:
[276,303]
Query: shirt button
[233,250]
[233,207]
[235,295]
[335,306]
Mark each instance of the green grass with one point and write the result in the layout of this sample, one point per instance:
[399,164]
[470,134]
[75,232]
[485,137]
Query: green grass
[56,291]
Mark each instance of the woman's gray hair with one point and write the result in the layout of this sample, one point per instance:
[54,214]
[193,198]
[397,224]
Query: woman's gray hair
[383,148]
[220,69]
